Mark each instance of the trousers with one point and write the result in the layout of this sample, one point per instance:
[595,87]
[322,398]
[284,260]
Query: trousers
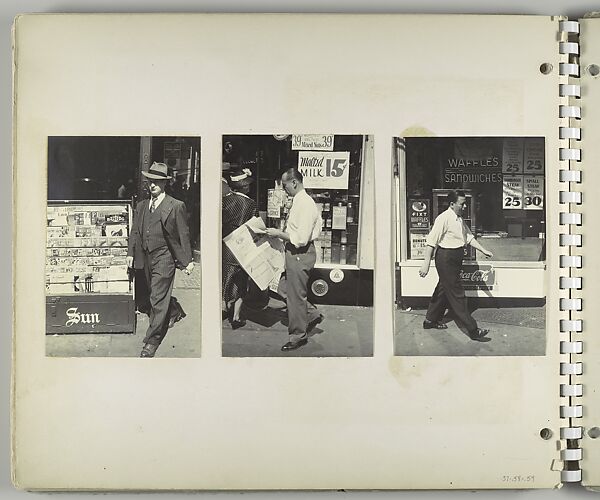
[159,268]
[449,292]
[293,287]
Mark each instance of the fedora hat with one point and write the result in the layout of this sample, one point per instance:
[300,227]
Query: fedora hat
[157,171]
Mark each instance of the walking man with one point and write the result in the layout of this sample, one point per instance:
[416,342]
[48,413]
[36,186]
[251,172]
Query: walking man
[303,226]
[448,237]
[160,239]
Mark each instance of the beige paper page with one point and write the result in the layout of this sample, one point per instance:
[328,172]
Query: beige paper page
[590,124]
[240,423]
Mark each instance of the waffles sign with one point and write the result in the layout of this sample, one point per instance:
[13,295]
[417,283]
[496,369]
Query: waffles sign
[324,170]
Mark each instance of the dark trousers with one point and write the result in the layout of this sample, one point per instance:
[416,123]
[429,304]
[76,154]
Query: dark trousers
[449,292]
[159,268]
[293,287]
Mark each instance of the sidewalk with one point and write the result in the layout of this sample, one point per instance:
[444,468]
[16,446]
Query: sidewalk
[346,331]
[513,332]
[182,341]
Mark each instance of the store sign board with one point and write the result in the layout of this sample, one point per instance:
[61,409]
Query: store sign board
[312,142]
[478,277]
[534,156]
[324,170]
[420,213]
[172,151]
[276,199]
[534,192]
[338,219]
[512,192]
[418,244]
[478,171]
[512,155]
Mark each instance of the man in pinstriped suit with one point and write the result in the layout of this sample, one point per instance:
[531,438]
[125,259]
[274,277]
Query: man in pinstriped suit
[160,239]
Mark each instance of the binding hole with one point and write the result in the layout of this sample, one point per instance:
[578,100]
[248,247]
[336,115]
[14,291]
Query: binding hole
[594,432]
[593,70]
[545,433]
[546,68]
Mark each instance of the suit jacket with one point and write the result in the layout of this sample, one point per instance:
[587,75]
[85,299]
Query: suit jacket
[175,229]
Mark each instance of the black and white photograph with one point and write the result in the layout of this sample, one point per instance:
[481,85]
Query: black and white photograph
[470,246]
[123,247]
[298,215]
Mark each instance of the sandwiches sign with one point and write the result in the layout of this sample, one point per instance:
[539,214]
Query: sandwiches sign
[324,170]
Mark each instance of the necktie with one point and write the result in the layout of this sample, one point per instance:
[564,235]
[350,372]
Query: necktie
[153,205]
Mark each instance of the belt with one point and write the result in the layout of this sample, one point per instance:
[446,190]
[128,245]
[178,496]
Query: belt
[296,250]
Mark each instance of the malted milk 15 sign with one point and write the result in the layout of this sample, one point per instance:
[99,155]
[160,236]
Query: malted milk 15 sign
[324,170]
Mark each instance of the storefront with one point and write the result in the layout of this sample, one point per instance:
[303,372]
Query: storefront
[93,185]
[504,182]
[338,174]
[109,168]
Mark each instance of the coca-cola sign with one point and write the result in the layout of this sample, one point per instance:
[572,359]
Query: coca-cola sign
[478,277]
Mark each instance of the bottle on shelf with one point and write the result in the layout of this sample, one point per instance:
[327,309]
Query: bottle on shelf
[350,213]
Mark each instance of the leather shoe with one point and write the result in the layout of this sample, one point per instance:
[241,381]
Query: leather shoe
[290,346]
[235,324]
[479,335]
[148,351]
[312,324]
[438,325]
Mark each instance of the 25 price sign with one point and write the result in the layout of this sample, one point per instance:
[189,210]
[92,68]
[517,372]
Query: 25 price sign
[534,166]
[512,202]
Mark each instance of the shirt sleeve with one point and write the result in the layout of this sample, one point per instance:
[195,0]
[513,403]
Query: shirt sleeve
[301,222]
[437,232]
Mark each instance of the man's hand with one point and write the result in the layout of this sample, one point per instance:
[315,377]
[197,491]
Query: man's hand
[487,253]
[129,261]
[271,231]
[424,269]
[188,270]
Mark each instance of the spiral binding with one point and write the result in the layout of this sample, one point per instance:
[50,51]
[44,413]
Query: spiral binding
[570,176]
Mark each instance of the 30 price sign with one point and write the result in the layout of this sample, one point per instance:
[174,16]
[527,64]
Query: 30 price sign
[533,195]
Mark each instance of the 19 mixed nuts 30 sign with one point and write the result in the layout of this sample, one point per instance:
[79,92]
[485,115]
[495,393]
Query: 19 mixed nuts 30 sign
[324,170]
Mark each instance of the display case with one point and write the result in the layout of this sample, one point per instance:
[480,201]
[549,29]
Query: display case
[88,288]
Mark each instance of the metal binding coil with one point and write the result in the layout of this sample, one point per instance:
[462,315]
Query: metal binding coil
[570,175]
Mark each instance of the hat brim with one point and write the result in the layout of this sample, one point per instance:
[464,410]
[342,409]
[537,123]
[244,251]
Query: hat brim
[243,182]
[156,177]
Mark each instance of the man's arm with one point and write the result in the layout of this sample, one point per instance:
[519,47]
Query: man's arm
[427,262]
[475,244]
[184,236]
[278,233]
[300,224]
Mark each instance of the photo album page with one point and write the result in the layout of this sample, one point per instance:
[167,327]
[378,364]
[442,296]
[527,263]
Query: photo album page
[336,236]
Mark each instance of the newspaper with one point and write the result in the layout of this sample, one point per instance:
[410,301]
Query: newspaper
[261,256]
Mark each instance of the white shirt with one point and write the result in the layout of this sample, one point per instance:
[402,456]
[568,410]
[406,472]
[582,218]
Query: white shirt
[304,220]
[449,231]
[158,201]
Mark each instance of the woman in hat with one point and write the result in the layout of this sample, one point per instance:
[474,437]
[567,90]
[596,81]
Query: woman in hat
[238,208]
